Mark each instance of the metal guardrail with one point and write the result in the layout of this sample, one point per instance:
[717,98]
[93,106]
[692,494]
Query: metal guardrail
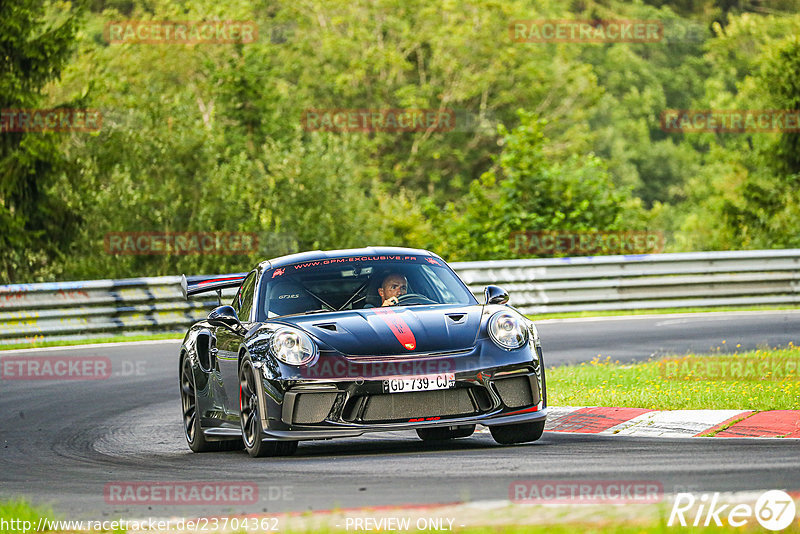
[692,279]
[98,308]
[81,310]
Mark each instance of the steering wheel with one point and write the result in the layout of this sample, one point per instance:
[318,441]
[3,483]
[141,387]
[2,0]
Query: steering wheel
[413,298]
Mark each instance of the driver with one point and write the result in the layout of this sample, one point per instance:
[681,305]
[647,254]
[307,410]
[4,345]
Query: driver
[393,286]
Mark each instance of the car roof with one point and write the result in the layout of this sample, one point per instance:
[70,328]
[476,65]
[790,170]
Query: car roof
[343,253]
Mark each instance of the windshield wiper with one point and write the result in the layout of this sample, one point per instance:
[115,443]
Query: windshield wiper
[309,312]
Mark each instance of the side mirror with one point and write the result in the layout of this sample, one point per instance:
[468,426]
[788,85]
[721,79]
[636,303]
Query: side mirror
[495,295]
[225,316]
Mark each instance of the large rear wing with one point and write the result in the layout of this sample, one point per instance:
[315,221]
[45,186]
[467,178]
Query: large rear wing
[203,284]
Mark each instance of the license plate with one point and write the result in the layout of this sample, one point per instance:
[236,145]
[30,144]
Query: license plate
[419,383]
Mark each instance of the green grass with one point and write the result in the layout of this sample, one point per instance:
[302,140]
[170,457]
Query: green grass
[20,509]
[649,385]
[644,527]
[600,527]
[608,521]
[90,341]
[656,311]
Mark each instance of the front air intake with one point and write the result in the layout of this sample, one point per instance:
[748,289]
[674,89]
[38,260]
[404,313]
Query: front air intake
[307,408]
[419,404]
[517,391]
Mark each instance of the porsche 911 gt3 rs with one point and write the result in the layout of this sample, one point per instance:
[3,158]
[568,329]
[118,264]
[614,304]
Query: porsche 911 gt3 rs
[321,345]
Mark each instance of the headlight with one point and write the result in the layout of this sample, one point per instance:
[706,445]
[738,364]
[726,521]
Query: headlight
[508,330]
[292,346]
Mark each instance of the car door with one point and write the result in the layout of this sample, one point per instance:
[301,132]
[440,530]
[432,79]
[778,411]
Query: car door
[229,341]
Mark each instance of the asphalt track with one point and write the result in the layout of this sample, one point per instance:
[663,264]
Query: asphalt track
[63,441]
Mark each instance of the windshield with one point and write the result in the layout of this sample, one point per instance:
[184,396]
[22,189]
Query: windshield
[357,283]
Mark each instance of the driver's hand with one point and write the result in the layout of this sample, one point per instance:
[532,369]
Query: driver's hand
[391,301]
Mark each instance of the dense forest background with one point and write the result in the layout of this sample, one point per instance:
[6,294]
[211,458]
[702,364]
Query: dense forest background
[557,136]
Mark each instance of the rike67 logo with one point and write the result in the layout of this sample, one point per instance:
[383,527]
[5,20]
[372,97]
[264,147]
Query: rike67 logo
[774,510]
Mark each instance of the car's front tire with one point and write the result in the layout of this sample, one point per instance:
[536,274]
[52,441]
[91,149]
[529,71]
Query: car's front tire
[445,433]
[250,412]
[517,433]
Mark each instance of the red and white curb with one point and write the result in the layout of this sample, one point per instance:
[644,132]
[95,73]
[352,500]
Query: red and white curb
[674,423]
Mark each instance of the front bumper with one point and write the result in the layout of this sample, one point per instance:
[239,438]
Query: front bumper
[330,433]
[512,392]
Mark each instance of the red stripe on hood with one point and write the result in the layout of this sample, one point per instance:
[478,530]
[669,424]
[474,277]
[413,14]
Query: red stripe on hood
[398,326]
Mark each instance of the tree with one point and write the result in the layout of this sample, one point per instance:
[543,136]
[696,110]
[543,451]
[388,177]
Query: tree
[766,211]
[36,40]
[528,190]
[746,193]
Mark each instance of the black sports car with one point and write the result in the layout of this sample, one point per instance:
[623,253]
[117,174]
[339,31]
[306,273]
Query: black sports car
[321,345]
